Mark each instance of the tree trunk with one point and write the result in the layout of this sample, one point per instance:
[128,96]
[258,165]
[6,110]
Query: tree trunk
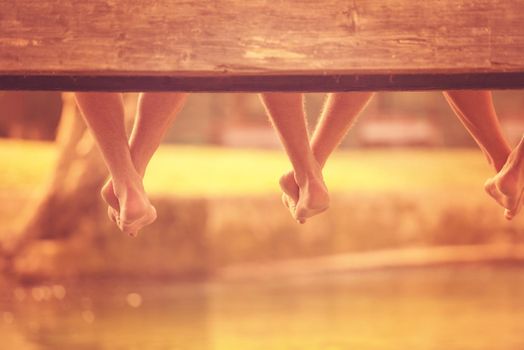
[71,195]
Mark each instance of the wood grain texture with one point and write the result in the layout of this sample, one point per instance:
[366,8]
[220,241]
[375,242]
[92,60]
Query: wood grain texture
[238,45]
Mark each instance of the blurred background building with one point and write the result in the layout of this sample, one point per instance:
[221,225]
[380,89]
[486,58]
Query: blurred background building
[407,119]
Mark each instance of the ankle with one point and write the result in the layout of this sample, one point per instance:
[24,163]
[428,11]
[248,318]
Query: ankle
[500,159]
[129,186]
[308,178]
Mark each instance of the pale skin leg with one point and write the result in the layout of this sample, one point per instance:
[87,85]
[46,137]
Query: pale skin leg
[338,115]
[155,113]
[476,111]
[286,111]
[104,115]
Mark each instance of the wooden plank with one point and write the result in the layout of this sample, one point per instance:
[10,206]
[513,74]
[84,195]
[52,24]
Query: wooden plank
[256,45]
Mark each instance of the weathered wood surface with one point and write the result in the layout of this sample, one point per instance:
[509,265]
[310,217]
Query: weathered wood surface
[228,45]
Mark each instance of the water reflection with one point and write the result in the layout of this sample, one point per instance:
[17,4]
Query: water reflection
[455,308]
[108,315]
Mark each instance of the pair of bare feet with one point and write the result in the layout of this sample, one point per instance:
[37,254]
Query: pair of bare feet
[128,206]
[304,196]
[304,191]
[127,156]
[507,186]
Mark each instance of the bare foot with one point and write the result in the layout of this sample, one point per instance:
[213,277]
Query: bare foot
[134,216]
[109,196]
[291,192]
[312,200]
[135,209]
[507,187]
[307,199]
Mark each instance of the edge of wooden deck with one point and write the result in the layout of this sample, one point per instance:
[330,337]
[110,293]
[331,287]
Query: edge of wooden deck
[321,82]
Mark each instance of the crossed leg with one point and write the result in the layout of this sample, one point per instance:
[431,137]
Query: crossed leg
[338,115]
[476,111]
[155,113]
[286,110]
[104,115]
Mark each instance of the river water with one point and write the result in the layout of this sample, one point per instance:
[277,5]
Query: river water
[460,307]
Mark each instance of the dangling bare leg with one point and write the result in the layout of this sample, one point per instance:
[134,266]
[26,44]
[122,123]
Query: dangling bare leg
[155,113]
[286,111]
[104,114]
[338,115]
[476,111]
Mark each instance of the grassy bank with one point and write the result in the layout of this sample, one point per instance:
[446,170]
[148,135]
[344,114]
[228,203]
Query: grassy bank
[212,171]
